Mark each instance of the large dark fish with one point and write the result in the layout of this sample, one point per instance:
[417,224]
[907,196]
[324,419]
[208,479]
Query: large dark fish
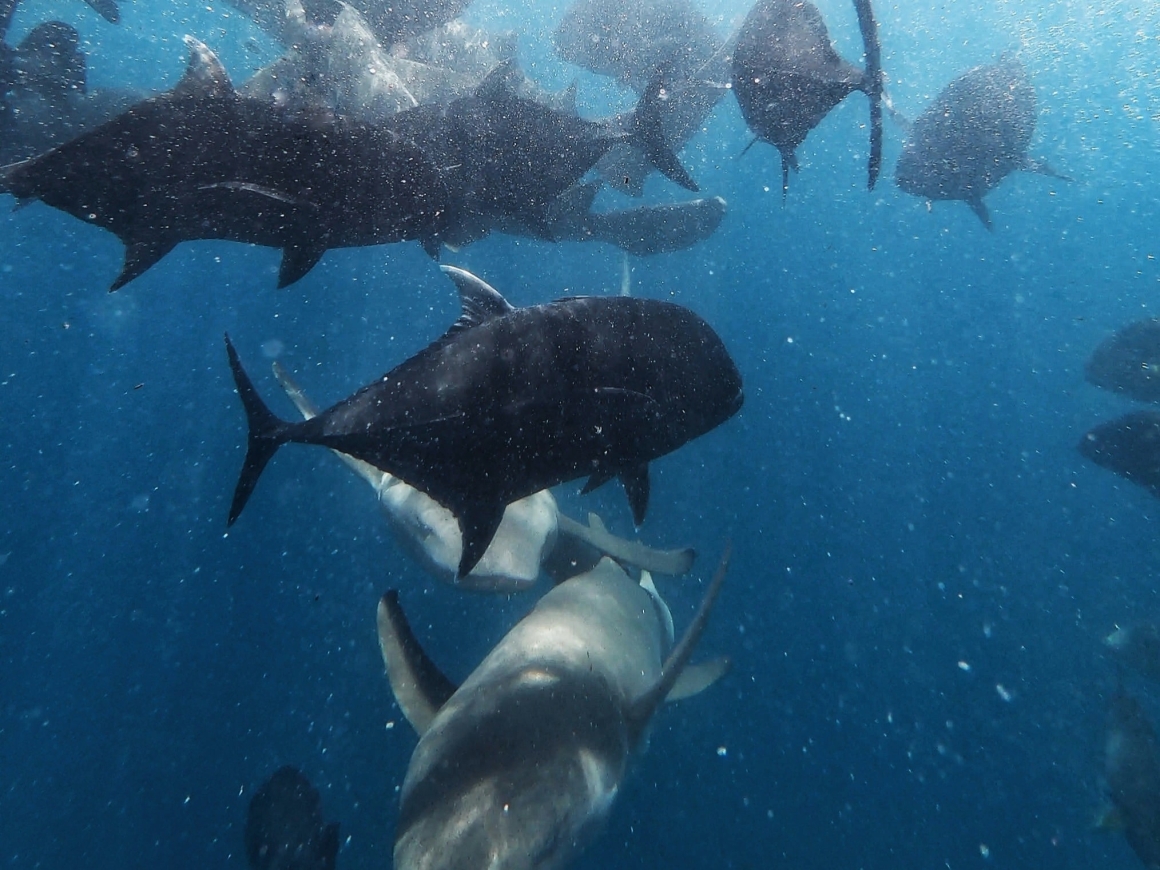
[201,162]
[637,43]
[1132,778]
[106,8]
[392,21]
[508,156]
[1129,362]
[285,828]
[1137,646]
[511,401]
[1129,446]
[972,136]
[788,77]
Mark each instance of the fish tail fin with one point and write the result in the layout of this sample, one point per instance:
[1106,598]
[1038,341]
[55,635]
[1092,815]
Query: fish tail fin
[872,83]
[267,434]
[649,132]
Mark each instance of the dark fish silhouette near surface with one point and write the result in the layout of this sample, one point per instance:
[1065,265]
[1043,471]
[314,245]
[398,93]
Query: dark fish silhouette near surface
[392,21]
[285,828]
[201,162]
[636,44]
[508,156]
[1132,778]
[974,134]
[511,401]
[787,76]
[1129,362]
[1129,446]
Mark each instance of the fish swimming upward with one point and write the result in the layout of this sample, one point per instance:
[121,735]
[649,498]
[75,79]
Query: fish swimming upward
[203,162]
[787,77]
[514,400]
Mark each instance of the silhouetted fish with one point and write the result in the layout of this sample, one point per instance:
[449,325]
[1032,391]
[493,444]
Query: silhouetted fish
[201,162]
[285,828]
[788,77]
[637,43]
[1129,446]
[1129,362]
[972,136]
[392,21]
[510,401]
[1132,778]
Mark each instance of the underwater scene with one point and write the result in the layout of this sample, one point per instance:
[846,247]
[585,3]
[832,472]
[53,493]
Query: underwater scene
[724,434]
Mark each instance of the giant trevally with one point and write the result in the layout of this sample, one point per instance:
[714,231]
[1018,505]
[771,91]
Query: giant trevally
[202,162]
[1132,777]
[285,828]
[787,76]
[514,400]
[1129,446]
[517,768]
[1129,362]
[974,134]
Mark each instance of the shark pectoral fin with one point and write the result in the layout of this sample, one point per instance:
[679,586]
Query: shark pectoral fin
[641,712]
[419,687]
[477,524]
[648,131]
[627,553]
[980,209]
[376,477]
[297,261]
[695,679]
[140,257]
[636,487]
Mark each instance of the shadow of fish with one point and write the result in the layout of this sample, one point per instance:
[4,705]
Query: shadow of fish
[285,828]
[511,401]
[974,134]
[202,162]
[787,77]
[1129,362]
[1129,446]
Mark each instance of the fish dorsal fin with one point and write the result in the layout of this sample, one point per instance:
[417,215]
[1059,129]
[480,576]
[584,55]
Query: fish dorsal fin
[643,708]
[497,84]
[480,300]
[419,687]
[204,74]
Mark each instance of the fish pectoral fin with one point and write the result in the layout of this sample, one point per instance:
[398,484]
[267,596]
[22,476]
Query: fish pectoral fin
[248,189]
[636,487]
[477,524]
[297,260]
[1042,167]
[140,257]
[695,679]
[419,687]
[980,209]
[600,476]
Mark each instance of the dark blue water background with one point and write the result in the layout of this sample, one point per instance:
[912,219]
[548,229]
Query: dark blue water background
[901,487]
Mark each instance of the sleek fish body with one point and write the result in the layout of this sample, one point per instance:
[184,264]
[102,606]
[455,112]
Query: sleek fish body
[637,43]
[532,537]
[285,828]
[1129,362]
[1137,646]
[517,769]
[1129,446]
[974,134]
[201,162]
[1132,777]
[787,76]
[511,401]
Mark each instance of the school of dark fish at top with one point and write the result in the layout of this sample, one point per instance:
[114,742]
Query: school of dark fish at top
[384,123]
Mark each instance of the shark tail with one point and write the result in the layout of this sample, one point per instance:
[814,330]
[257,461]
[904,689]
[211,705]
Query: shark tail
[872,84]
[267,434]
[649,133]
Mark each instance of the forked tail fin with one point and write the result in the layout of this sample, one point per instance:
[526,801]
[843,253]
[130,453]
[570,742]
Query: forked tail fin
[649,133]
[267,434]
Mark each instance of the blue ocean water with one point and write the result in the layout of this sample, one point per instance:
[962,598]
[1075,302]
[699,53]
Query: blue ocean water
[923,568]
